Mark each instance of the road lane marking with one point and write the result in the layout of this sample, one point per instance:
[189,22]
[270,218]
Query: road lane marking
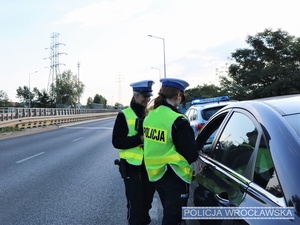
[89,128]
[77,139]
[30,157]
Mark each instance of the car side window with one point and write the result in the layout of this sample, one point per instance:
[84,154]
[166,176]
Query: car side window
[193,115]
[188,113]
[236,143]
[207,135]
[264,172]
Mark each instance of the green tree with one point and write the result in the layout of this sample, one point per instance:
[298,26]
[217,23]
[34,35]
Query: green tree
[233,88]
[23,94]
[202,91]
[4,102]
[89,102]
[43,99]
[38,99]
[99,99]
[67,89]
[270,67]
[118,105]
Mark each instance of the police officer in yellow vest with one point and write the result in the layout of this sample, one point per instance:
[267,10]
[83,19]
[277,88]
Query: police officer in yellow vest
[169,149]
[128,138]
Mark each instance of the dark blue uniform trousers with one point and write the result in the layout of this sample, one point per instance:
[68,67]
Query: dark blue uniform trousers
[173,193]
[139,193]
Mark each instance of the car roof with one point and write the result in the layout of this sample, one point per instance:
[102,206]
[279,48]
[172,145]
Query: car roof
[212,104]
[288,104]
[284,105]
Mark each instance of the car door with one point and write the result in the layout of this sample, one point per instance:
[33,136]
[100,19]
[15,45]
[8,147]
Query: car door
[265,189]
[225,176]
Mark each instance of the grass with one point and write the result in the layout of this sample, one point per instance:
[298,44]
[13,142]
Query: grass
[9,129]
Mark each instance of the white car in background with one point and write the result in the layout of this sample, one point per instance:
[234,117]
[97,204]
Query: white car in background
[202,109]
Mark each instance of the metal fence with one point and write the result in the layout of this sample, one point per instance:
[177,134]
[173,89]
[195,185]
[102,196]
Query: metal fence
[12,113]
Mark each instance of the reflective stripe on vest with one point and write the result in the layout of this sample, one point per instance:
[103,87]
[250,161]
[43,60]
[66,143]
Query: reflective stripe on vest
[134,155]
[159,150]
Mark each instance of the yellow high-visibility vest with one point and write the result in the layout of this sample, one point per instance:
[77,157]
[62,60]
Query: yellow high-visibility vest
[133,156]
[159,149]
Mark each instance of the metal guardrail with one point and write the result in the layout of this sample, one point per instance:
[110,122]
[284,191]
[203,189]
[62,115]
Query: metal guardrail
[16,113]
[37,117]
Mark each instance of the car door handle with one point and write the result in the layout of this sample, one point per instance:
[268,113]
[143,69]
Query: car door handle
[224,201]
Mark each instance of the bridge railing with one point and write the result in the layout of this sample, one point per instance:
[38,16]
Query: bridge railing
[31,117]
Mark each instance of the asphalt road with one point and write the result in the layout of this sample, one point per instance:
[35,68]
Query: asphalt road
[63,176]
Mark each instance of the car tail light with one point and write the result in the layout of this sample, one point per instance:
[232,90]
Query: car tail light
[199,126]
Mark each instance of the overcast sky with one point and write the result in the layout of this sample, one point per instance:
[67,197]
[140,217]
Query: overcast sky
[110,40]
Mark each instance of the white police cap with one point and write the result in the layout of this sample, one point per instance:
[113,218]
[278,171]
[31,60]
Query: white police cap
[174,82]
[144,87]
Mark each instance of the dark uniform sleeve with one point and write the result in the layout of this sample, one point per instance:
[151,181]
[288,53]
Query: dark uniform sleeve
[184,139]
[120,132]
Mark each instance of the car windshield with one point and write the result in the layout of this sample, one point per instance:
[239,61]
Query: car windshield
[294,121]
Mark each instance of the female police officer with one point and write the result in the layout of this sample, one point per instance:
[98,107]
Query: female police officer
[128,138]
[169,149]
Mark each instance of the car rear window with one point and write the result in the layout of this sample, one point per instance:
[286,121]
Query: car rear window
[207,113]
[294,121]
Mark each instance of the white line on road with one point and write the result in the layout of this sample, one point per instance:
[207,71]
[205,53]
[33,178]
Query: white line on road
[89,128]
[30,157]
[78,139]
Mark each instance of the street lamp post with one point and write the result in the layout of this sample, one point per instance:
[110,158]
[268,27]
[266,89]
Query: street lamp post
[164,51]
[159,86]
[29,89]
[78,65]
[158,71]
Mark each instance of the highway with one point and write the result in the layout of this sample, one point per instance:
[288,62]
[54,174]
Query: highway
[64,176]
